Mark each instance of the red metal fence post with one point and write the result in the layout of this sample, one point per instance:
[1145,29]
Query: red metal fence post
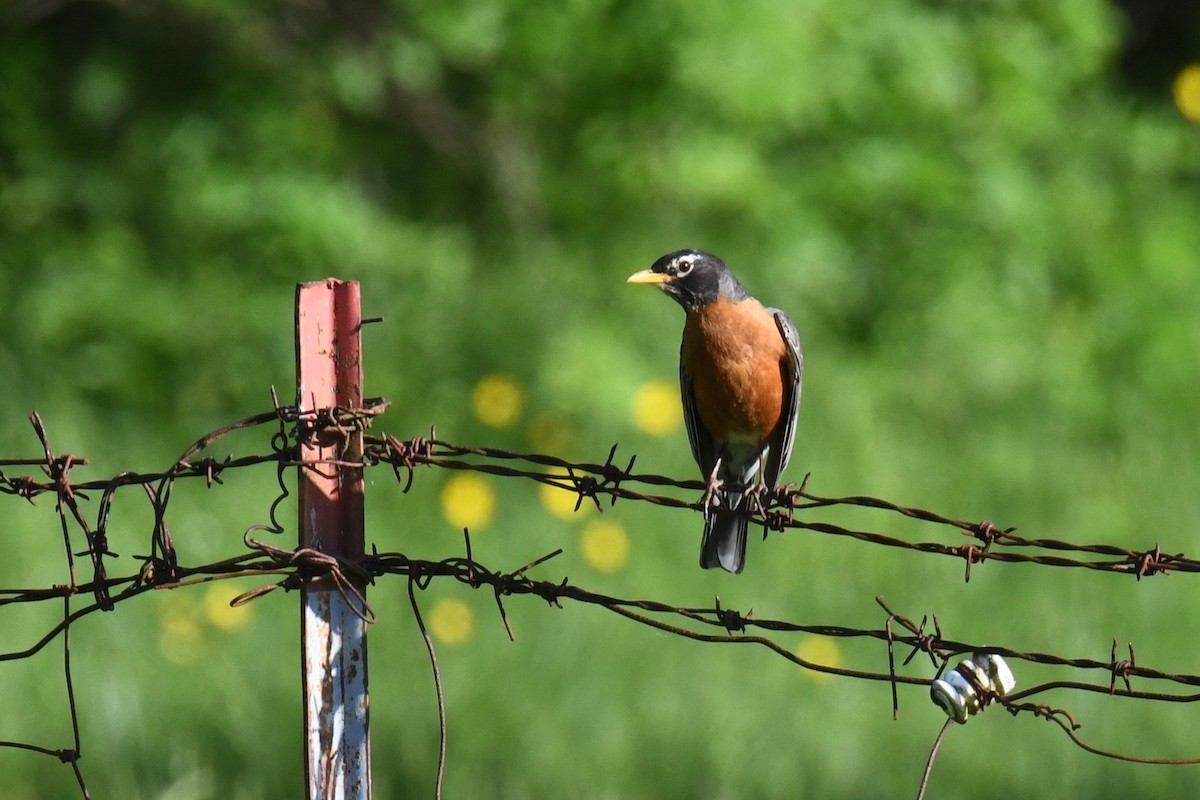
[333,636]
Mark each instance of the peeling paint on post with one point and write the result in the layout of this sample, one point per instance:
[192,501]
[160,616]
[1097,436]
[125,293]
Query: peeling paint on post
[333,636]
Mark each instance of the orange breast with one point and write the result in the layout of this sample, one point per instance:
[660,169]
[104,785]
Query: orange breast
[737,361]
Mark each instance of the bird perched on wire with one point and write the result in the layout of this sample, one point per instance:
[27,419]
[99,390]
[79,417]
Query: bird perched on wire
[740,368]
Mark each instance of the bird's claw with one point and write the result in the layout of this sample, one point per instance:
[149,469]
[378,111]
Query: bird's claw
[712,492]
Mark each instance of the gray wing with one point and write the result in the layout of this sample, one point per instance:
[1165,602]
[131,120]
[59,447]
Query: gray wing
[781,440]
[704,446]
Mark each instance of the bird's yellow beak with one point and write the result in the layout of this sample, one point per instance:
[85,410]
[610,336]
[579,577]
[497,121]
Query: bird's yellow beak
[648,276]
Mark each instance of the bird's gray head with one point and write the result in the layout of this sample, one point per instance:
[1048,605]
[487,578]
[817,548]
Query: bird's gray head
[693,277]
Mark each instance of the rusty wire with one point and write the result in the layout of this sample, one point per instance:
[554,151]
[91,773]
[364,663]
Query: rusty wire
[776,510]
[786,508]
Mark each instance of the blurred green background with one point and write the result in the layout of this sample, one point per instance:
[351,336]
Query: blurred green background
[983,216]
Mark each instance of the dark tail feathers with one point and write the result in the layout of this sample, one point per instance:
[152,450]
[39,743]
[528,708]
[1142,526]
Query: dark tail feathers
[724,543]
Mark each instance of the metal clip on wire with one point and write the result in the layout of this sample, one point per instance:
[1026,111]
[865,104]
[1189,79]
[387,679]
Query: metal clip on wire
[964,691]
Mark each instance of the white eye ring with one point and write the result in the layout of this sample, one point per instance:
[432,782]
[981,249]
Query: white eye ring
[684,266]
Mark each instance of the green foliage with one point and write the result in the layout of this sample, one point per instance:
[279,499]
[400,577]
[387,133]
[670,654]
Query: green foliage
[989,246]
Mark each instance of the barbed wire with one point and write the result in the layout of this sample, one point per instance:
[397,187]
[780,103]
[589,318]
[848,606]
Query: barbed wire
[775,510]
[789,507]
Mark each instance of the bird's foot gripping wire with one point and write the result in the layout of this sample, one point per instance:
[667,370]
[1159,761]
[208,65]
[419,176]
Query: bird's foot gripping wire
[711,499]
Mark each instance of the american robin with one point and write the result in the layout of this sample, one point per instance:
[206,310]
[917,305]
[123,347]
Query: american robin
[740,367]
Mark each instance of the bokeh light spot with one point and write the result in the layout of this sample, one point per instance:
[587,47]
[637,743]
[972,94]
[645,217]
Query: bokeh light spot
[220,613]
[1187,92]
[181,629]
[181,640]
[561,502]
[497,401]
[605,546]
[468,501]
[451,621]
[823,650]
[656,408]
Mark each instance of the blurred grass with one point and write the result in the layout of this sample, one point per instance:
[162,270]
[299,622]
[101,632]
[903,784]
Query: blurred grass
[985,233]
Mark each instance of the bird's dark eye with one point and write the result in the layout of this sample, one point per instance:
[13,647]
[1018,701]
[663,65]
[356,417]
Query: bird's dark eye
[684,267]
